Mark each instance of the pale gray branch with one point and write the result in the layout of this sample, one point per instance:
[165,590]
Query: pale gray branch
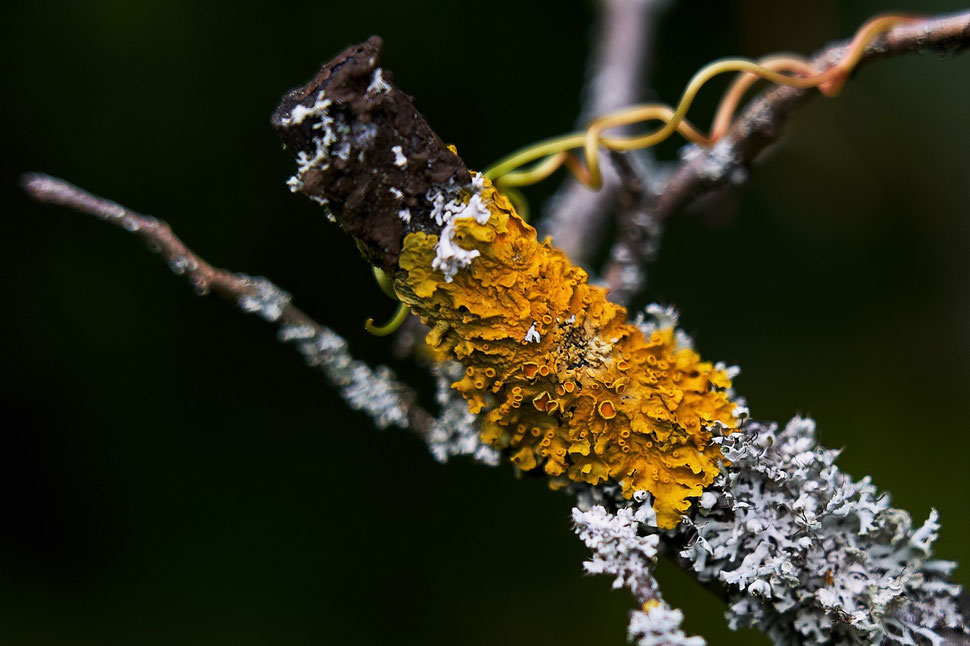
[725,164]
[622,52]
[376,392]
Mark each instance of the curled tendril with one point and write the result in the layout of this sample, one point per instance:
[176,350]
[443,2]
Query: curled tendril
[400,315]
[391,326]
[385,283]
[788,69]
[551,154]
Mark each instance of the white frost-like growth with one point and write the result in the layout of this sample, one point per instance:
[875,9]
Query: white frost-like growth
[620,551]
[809,555]
[266,300]
[335,138]
[659,625]
[804,552]
[720,163]
[656,316]
[374,391]
[377,83]
[447,206]
[456,431]
[532,336]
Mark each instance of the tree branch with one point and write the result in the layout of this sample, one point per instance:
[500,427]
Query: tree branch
[363,149]
[727,162]
[376,392]
[638,231]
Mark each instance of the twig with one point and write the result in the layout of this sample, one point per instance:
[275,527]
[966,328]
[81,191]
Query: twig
[622,50]
[376,392]
[726,163]
[638,232]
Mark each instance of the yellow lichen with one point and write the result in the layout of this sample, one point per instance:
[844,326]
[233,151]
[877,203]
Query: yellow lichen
[593,398]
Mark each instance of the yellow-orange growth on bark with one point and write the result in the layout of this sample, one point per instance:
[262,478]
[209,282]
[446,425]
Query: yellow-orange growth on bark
[566,381]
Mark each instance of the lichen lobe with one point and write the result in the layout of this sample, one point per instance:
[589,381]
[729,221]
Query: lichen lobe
[566,383]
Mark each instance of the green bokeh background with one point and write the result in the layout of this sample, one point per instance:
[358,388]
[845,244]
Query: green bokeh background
[171,474]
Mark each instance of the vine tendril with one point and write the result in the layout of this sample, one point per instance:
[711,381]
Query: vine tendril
[787,69]
[551,154]
[401,315]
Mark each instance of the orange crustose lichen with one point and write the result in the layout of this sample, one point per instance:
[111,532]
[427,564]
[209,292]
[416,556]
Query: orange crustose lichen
[567,382]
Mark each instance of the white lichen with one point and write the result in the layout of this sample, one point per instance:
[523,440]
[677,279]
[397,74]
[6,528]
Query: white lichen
[399,159]
[301,112]
[811,556]
[804,552]
[377,83]
[621,551]
[532,336]
[263,299]
[376,392]
[335,138]
[325,203]
[456,431]
[618,549]
[659,625]
[719,163]
[447,206]
[655,317]
[180,264]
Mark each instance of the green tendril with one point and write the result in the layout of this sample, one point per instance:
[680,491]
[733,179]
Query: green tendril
[385,282]
[391,326]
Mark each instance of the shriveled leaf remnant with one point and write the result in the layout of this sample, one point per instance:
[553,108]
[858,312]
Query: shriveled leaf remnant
[567,383]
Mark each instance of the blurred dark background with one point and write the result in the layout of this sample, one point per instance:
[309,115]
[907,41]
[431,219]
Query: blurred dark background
[171,474]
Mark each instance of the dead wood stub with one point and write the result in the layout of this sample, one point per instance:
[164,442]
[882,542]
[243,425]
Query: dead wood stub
[374,126]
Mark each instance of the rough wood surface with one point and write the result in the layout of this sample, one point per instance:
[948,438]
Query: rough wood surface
[362,190]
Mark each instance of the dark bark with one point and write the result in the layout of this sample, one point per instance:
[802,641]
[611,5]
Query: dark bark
[366,189]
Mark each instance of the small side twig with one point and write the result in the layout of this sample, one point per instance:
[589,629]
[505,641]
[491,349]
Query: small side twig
[638,231]
[374,391]
[725,165]
[623,46]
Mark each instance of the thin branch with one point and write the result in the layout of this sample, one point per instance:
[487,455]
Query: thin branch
[375,391]
[726,164]
[638,231]
[623,45]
